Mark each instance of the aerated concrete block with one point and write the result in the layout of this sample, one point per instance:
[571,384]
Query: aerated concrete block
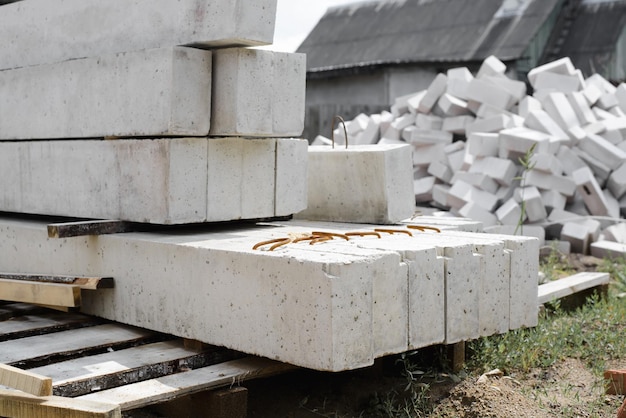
[603,150]
[41,32]
[539,120]
[547,163]
[569,160]
[257,93]
[440,171]
[428,122]
[183,180]
[620,94]
[491,124]
[599,169]
[559,82]
[561,66]
[518,141]
[501,170]
[458,79]
[617,182]
[423,188]
[577,235]
[491,94]
[417,136]
[616,233]
[559,108]
[483,144]
[476,212]
[457,124]
[367,184]
[424,155]
[515,88]
[167,91]
[553,200]
[452,106]
[491,66]
[435,90]
[480,180]
[590,191]
[510,213]
[581,107]
[545,181]
[608,249]
[535,209]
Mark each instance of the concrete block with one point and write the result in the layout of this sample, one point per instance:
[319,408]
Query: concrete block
[602,114]
[423,188]
[612,204]
[371,133]
[618,125]
[607,101]
[480,180]
[510,213]
[358,124]
[440,195]
[541,121]
[581,108]
[533,231]
[183,180]
[559,108]
[544,181]
[424,155]
[458,79]
[531,198]
[617,111]
[592,93]
[257,93]
[491,124]
[527,105]
[608,249]
[170,90]
[414,101]
[600,170]
[474,211]
[440,171]
[435,90]
[617,181]
[385,120]
[515,88]
[452,106]
[457,124]
[429,122]
[560,82]
[456,159]
[569,160]
[491,66]
[561,66]
[39,32]
[577,134]
[368,184]
[577,235]
[603,150]
[523,289]
[417,136]
[488,93]
[458,195]
[401,103]
[392,133]
[556,219]
[590,191]
[505,193]
[291,170]
[501,170]
[547,163]
[483,144]
[616,233]
[408,119]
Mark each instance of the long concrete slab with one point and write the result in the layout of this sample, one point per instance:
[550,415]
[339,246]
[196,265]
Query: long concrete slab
[157,92]
[162,181]
[43,31]
[334,306]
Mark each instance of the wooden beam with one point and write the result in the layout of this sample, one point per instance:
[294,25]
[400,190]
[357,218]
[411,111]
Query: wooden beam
[52,294]
[86,283]
[25,381]
[615,382]
[14,404]
[91,227]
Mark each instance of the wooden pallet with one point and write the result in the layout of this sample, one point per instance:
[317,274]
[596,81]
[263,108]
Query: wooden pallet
[98,368]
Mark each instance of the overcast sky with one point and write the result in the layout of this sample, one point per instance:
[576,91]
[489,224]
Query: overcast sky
[296,18]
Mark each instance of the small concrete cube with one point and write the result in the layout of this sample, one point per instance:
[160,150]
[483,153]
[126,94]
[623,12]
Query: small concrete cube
[257,93]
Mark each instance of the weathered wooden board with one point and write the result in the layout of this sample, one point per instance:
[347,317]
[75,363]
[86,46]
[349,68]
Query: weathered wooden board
[15,404]
[24,380]
[85,283]
[169,387]
[570,285]
[67,343]
[95,227]
[40,293]
[104,371]
[30,325]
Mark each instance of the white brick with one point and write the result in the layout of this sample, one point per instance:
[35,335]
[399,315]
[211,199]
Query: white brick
[456,159]
[559,108]
[170,90]
[501,170]
[577,235]
[403,121]
[428,122]
[41,32]
[560,82]
[360,184]
[590,191]
[401,103]
[452,106]
[480,180]
[491,124]
[423,188]
[602,114]
[440,195]
[520,140]
[553,200]
[607,101]
[561,66]
[603,150]
[509,213]
[618,125]
[458,79]
[258,93]
[620,94]
[600,170]
[547,163]
[482,144]
[435,90]
[491,66]
[542,121]
[457,124]
[358,124]
[425,154]
[607,249]
[616,233]
[581,107]
[458,195]
[440,171]
[617,181]
[487,93]
[371,133]
[417,136]
[569,160]
[612,204]
[414,101]
[544,181]
[592,93]
[527,105]
[515,88]
[617,111]
[535,209]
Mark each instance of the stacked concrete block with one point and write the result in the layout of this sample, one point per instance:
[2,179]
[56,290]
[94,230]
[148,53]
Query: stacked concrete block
[569,122]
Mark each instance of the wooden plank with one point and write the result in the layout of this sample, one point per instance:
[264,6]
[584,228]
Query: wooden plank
[66,344]
[615,382]
[30,325]
[104,371]
[573,284]
[166,388]
[24,380]
[91,227]
[40,293]
[86,283]
[15,404]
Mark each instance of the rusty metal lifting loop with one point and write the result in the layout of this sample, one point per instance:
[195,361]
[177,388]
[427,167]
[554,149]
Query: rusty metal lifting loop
[345,131]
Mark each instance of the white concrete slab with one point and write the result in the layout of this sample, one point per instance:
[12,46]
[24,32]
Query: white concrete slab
[158,92]
[41,32]
[258,93]
[367,184]
[163,181]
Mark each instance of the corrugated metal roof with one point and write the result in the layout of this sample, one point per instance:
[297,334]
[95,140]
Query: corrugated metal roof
[396,31]
[594,33]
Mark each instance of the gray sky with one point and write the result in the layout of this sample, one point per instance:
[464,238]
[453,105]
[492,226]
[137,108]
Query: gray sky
[296,18]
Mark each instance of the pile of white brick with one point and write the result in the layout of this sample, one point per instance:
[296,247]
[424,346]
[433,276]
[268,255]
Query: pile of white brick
[469,132]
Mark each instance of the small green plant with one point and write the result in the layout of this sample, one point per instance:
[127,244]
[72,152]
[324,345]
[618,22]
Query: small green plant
[616,267]
[555,265]
[527,164]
